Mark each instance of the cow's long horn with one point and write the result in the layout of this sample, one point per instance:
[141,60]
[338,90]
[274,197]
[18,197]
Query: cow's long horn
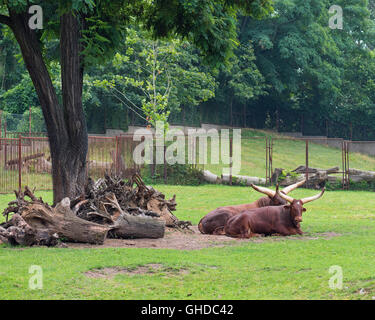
[316,197]
[293,187]
[266,191]
[285,197]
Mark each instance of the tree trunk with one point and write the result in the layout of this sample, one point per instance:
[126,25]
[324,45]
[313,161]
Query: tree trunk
[66,126]
[70,174]
[127,226]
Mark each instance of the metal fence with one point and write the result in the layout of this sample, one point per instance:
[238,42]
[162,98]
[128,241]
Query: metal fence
[25,160]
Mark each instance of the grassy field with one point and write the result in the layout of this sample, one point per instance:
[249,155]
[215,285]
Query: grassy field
[289,154]
[287,268]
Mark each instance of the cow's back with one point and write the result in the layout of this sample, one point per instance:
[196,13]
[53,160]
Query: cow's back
[214,221]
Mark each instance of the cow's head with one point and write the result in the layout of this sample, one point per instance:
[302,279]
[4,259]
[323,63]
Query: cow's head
[296,206]
[275,198]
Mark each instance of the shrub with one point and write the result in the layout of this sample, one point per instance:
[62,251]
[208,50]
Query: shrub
[177,174]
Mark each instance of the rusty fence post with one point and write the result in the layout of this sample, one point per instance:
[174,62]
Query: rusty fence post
[347,168]
[270,161]
[19,163]
[269,152]
[266,161]
[307,163]
[230,161]
[165,164]
[5,145]
[343,163]
[117,162]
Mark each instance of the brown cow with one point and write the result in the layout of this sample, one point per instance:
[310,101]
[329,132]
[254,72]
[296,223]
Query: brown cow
[282,220]
[214,221]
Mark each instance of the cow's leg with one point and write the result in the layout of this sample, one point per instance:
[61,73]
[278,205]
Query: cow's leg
[247,233]
[299,231]
[283,232]
[256,235]
[287,232]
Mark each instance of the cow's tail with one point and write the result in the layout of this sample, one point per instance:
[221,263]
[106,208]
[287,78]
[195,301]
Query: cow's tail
[200,227]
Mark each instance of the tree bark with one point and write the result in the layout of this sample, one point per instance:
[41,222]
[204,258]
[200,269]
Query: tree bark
[20,233]
[64,222]
[69,175]
[66,126]
[128,226]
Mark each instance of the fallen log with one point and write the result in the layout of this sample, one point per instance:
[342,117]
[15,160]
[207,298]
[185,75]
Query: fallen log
[208,176]
[302,169]
[236,179]
[62,221]
[317,178]
[41,220]
[128,226]
[356,175]
[239,180]
[109,207]
[24,159]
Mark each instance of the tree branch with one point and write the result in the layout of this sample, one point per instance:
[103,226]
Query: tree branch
[5,20]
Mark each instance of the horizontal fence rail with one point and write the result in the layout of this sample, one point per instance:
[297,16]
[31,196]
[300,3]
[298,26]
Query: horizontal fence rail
[26,160]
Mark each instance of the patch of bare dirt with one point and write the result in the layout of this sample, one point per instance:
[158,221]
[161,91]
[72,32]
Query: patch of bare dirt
[193,240]
[110,272]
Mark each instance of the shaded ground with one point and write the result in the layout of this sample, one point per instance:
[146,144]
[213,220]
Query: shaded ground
[193,240]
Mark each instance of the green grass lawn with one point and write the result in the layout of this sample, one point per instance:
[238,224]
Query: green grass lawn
[290,268]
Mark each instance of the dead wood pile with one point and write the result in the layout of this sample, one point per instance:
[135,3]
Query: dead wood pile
[110,207]
[319,177]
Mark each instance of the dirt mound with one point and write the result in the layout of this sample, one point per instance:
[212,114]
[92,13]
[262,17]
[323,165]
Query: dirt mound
[110,272]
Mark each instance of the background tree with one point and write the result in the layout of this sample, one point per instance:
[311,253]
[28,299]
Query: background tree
[160,77]
[89,32]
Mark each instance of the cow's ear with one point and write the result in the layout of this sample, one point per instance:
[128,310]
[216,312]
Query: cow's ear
[287,206]
[304,209]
